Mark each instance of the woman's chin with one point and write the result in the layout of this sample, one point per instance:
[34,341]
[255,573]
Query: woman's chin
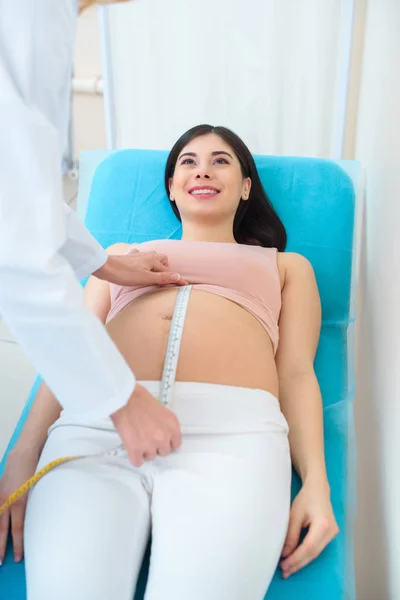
[205,212]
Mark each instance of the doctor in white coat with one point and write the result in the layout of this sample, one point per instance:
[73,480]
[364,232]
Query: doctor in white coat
[44,248]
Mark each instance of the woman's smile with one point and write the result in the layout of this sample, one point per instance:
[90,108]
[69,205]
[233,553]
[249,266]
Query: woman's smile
[204,192]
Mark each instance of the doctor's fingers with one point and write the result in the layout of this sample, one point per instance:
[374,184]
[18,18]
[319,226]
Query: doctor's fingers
[161,257]
[156,264]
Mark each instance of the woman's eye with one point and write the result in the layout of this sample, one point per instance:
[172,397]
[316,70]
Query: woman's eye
[190,161]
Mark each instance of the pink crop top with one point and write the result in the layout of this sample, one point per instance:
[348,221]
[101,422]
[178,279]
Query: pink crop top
[247,275]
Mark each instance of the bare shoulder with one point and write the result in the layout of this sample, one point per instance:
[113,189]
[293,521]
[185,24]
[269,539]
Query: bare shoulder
[293,266]
[118,248]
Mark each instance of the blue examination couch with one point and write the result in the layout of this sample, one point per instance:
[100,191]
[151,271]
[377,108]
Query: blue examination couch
[121,198]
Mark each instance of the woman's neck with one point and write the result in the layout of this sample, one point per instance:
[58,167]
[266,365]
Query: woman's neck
[208,234]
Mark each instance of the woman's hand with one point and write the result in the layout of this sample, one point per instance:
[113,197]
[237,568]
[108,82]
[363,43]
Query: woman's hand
[21,465]
[311,509]
[138,269]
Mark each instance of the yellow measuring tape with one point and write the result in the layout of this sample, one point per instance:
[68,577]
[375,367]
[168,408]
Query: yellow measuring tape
[34,479]
[115,451]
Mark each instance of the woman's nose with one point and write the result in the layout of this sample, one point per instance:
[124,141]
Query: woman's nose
[202,175]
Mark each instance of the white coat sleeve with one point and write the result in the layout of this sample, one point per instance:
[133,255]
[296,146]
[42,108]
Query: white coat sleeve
[40,296]
[82,251]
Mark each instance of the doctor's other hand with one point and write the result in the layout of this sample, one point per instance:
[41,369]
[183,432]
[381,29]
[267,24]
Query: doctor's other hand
[20,466]
[138,269]
[146,427]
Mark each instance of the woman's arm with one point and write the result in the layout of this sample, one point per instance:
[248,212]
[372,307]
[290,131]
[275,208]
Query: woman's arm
[301,402]
[300,397]
[45,408]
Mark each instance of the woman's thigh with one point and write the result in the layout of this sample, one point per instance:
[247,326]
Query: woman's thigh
[87,522]
[220,513]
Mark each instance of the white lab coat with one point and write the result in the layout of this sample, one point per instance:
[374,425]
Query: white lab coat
[44,248]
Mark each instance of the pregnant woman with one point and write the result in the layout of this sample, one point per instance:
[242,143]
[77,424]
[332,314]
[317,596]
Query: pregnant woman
[216,501]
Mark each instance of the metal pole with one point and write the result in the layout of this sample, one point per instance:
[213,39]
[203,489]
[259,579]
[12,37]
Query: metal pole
[108,84]
[344,77]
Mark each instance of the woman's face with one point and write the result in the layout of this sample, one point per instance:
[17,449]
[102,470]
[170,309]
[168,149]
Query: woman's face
[208,181]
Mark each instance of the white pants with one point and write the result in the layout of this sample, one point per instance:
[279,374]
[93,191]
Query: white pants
[217,509]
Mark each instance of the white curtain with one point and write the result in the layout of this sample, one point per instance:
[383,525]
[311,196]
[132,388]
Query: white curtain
[378,316]
[272,70]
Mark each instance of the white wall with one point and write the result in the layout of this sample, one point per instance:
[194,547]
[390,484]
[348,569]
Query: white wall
[378,329]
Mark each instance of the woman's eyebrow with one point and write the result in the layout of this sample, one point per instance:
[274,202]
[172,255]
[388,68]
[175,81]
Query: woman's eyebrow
[187,154]
[221,152]
[212,153]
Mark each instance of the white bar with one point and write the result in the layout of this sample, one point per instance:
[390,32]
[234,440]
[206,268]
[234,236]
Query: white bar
[344,75]
[88,85]
[108,87]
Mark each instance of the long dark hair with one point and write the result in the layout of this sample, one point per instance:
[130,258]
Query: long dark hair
[256,222]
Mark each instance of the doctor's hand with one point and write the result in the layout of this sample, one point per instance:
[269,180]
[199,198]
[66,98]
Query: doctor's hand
[20,466]
[138,269]
[146,427]
[312,510]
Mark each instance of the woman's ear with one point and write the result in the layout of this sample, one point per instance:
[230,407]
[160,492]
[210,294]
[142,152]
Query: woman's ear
[246,189]
[171,190]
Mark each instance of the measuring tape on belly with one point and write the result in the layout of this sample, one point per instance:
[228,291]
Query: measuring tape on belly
[166,390]
[174,344]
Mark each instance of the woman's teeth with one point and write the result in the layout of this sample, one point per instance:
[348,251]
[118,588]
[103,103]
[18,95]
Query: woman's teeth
[203,192]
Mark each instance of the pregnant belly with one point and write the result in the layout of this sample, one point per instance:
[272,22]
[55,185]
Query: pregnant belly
[221,342]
